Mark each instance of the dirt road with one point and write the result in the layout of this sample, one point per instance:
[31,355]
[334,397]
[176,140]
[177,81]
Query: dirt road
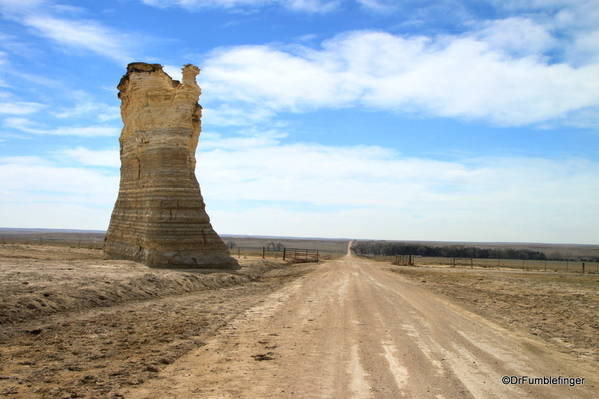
[353,329]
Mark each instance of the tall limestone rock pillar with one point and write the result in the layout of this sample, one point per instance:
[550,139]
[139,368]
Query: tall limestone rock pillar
[159,217]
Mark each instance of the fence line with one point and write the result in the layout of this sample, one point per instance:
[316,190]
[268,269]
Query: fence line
[297,254]
[56,242]
[523,264]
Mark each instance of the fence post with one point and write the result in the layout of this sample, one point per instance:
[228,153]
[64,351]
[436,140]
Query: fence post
[582,267]
[471,264]
[41,242]
[238,253]
[263,252]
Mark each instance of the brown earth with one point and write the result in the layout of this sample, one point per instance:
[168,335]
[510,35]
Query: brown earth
[561,308]
[73,325]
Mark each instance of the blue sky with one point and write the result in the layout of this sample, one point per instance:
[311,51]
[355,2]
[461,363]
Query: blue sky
[441,120]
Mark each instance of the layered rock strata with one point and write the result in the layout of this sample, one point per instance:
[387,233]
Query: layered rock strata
[159,218]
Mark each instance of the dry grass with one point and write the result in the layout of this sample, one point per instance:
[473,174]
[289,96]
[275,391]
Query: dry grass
[560,308]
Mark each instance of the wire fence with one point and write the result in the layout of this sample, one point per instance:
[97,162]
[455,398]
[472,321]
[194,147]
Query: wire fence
[55,242]
[568,266]
[290,254]
[238,252]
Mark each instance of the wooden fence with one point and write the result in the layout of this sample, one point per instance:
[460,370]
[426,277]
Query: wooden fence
[300,255]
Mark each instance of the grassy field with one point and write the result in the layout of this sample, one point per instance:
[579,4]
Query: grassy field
[533,265]
[62,238]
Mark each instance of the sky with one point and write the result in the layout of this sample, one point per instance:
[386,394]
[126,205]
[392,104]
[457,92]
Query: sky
[433,120]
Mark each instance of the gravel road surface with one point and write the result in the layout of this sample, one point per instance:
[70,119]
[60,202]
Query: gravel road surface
[354,329]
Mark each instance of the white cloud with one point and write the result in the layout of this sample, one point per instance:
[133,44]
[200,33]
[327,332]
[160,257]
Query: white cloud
[11,105]
[473,76]
[20,107]
[29,126]
[379,6]
[25,181]
[173,71]
[317,6]
[35,192]
[517,36]
[55,215]
[373,192]
[24,160]
[250,139]
[102,112]
[73,33]
[258,185]
[83,34]
[19,6]
[93,157]
[229,115]
[564,11]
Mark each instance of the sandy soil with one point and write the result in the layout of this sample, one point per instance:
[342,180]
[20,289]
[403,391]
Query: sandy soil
[73,325]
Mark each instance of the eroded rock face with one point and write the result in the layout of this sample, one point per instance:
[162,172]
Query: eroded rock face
[159,217]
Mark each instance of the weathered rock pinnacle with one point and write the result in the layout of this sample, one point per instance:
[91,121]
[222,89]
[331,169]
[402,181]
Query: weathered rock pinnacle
[159,217]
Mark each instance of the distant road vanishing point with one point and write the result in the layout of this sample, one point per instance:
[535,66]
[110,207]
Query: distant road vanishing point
[353,329]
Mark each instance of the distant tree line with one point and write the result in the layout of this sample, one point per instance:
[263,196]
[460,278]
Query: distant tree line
[272,246]
[383,248]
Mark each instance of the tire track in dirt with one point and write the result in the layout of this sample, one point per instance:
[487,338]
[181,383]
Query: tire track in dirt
[352,329]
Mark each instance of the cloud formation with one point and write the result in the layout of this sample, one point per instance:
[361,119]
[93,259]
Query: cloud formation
[71,32]
[28,126]
[15,107]
[35,192]
[313,6]
[496,74]
[374,192]
[356,191]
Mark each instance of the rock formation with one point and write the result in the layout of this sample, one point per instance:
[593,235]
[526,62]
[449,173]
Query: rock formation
[159,217]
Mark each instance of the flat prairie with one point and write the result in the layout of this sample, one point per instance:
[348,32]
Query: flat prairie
[73,325]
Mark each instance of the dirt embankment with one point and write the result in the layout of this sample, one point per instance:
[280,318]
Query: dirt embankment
[75,326]
[34,284]
[563,309]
